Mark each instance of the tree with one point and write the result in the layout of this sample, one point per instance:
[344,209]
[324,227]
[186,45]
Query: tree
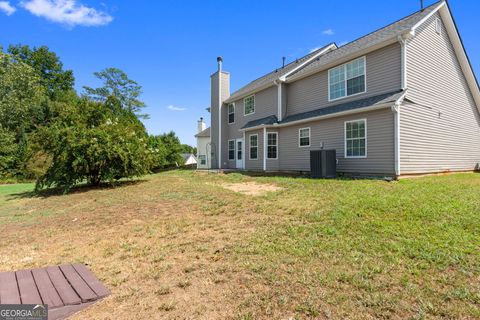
[117,84]
[21,95]
[185,148]
[47,64]
[93,142]
[158,151]
[22,98]
[174,149]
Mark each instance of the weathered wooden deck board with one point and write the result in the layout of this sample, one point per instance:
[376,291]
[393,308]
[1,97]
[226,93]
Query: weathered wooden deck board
[48,293]
[78,284]
[28,289]
[92,281]
[8,288]
[65,289]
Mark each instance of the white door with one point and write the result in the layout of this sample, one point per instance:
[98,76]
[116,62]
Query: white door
[239,155]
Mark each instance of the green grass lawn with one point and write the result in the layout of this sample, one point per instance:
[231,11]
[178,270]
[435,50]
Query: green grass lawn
[337,249]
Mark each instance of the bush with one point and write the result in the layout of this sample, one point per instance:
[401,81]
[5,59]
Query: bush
[93,142]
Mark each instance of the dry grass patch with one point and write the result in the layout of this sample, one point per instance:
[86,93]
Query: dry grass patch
[251,188]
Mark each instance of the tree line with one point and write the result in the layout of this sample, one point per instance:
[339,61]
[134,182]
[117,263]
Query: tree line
[50,133]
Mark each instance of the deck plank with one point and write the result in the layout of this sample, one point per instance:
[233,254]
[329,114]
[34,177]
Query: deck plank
[92,281]
[46,289]
[28,289]
[78,284]
[65,291]
[8,288]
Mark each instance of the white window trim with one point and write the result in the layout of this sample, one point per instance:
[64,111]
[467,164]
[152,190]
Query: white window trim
[250,146]
[228,114]
[309,137]
[234,150]
[254,105]
[276,134]
[345,140]
[345,79]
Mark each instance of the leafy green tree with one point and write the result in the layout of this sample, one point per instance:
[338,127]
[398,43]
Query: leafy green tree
[8,153]
[158,151]
[185,148]
[93,142]
[21,95]
[174,149]
[48,66]
[117,84]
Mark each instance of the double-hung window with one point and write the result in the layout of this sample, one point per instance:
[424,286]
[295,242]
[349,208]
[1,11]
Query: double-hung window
[231,149]
[231,113]
[254,147]
[249,105]
[347,79]
[304,137]
[203,159]
[272,145]
[356,139]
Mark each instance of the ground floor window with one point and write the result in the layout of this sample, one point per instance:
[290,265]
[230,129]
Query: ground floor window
[231,149]
[254,147]
[356,139]
[304,137]
[272,145]
[203,159]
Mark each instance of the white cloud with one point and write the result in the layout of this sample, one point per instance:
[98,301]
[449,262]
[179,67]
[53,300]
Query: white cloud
[173,108]
[67,12]
[328,32]
[6,7]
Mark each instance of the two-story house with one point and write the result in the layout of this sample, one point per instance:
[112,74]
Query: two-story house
[401,100]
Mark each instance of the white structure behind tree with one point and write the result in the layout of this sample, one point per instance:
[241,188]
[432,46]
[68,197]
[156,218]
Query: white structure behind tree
[203,145]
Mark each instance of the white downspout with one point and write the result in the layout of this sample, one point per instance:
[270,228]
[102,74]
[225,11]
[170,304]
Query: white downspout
[244,151]
[396,108]
[264,149]
[279,99]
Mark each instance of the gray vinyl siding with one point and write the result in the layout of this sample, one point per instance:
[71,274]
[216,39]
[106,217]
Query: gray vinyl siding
[383,74]
[265,105]
[257,164]
[380,144]
[440,124]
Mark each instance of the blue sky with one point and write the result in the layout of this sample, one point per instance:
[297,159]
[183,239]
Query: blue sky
[170,47]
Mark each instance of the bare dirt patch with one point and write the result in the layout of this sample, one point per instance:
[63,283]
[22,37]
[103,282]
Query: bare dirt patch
[251,188]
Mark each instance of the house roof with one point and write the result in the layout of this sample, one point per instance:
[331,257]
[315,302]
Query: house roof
[381,99]
[205,133]
[261,122]
[267,80]
[322,57]
[370,102]
[391,31]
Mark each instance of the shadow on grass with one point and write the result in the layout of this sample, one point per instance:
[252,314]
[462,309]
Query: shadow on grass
[81,188]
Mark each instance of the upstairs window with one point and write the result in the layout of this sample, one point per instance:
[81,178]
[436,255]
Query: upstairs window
[231,149]
[254,147]
[249,105]
[304,137]
[272,145]
[231,113]
[356,139]
[347,79]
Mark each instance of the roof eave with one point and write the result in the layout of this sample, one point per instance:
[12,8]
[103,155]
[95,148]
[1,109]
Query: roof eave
[327,116]
[282,78]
